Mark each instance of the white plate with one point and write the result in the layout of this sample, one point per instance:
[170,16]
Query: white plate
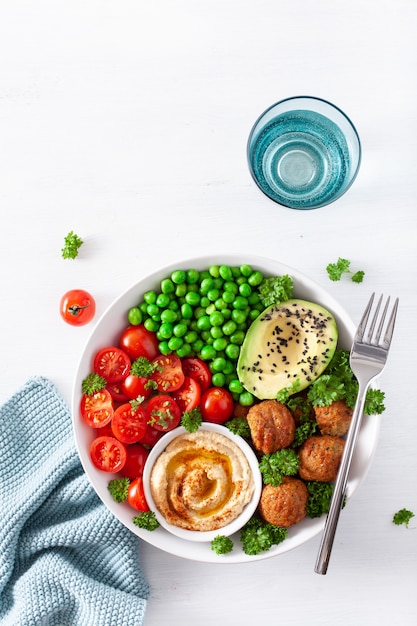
[107,331]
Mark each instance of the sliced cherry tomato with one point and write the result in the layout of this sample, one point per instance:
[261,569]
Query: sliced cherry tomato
[128,423]
[188,395]
[216,405]
[138,341]
[134,386]
[151,436]
[97,409]
[112,363]
[135,461]
[197,370]
[108,454]
[116,392]
[163,413]
[168,375]
[136,495]
[77,307]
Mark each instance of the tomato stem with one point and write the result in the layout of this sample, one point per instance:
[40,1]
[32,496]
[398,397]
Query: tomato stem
[75,309]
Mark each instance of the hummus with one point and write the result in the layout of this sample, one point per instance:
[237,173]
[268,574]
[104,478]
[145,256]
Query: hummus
[202,481]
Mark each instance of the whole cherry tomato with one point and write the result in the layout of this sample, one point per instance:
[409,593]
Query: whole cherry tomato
[77,307]
[216,405]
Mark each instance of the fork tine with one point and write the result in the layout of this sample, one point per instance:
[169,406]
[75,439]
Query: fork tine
[391,323]
[381,323]
[362,324]
[373,322]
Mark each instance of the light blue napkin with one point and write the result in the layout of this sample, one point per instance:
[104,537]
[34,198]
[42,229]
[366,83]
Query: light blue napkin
[64,559]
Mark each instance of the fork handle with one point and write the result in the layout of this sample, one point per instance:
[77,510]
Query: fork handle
[332,518]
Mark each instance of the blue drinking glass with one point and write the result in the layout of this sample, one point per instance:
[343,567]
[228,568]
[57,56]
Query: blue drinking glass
[304,152]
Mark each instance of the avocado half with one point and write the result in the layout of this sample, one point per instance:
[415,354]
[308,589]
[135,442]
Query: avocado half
[287,346]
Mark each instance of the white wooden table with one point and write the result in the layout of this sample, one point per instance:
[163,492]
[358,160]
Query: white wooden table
[126,121]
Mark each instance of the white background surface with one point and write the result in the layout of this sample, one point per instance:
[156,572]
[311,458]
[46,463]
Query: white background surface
[127,121]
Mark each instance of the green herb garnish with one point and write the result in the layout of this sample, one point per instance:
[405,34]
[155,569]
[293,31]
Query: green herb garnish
[403,517]
[276,289]
[92,383]
[72,243]
[222,544]
[336,270]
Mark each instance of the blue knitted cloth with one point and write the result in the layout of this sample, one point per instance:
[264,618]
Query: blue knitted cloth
[64,559]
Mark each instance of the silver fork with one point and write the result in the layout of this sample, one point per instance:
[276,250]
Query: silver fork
[367,359]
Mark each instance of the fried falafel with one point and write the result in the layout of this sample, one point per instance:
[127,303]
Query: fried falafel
[333,419]
[320,458]
[284,505]
[272,426]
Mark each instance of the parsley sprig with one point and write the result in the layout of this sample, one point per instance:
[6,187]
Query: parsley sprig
[259,536]
[275,466]
[403,516]
[92,383]
[276,289]
[72,243]
[336,270]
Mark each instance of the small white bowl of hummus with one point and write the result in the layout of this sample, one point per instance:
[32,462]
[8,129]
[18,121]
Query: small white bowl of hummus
[202,484]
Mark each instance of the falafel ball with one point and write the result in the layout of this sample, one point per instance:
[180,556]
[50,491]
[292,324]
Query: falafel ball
[272,426]
[320,457]
[284,505]
[334,419]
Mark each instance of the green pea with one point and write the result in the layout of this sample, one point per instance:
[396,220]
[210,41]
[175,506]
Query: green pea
[240,302]
[229,327]
[162,300]
[187,311]
[152,309]
[235,386]
[205,286]
[178,277]
[204,302]
[239,316]
[173,305]
[213,294]
[228,296]
[229,368]
[206,336]
[216,318]
[253,298]
[199,312]
[203,322]
[216,332]
[150,297]
[246,270]
[220,343]
[190,336]
[227,314]
[164,348]
[181,290]
[207,352]
[218,364]
[184,350]
[192,298]
[197,345]
[135,316]
[168,315]
[167,286]
[220,304]
[143,306]
[253,314]
[232,351]
[218,379]
[180,330]
[210,308]
[237,337]
[175,343]
[214,271]
[151,325]
[192,277]
[246,398]
[166,330]
[245,290]
[230,286]
[225,272]
[255,279]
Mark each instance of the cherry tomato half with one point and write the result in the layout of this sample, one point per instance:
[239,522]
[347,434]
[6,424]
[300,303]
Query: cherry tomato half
[188,395]
[216,405]
[136,495]
[168,375]
[112,363]
[128,423]
[97,409]
[77,307]
[137,341]
[108,454]
[135,460]
[163,413]
[116,392]
[197,370]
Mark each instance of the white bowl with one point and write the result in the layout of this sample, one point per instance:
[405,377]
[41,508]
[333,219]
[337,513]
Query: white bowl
[106,332]
[239,521]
